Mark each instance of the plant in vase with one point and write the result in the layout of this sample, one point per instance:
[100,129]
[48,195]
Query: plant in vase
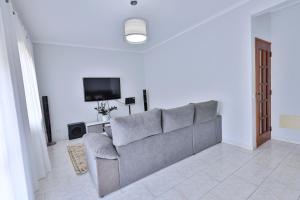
[104,109]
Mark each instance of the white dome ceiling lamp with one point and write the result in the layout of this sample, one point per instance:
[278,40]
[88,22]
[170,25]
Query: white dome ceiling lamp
[135,29]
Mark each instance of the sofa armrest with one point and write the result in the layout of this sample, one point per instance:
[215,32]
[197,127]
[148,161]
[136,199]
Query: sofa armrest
[100,145]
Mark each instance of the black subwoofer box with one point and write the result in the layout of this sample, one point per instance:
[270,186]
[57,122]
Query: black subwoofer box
[76,130]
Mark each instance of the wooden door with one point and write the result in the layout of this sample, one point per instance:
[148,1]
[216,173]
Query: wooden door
[263,90]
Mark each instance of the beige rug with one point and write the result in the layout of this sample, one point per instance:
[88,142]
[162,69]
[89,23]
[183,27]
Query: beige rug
[77,156]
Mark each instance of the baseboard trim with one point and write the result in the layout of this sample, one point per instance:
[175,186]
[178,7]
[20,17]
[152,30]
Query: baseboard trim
[247,147]
[285,140]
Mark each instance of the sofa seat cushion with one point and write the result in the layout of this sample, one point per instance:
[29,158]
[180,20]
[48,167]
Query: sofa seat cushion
[101,145]
[205,111]
[177,118]
[135,127]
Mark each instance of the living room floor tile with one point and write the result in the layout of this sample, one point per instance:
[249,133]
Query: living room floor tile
[191,166]
[286,175]
[196,186]
[273,189]
[136,191]
[254,173]
[220,172]
[171,195]
[233,188]
[209,196]
[221,169]
[162,181]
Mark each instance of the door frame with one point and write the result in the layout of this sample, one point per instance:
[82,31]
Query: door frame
[260,139]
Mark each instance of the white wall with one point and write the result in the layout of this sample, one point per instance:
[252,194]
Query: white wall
[212,61]
[60,70]
[285,34]
[261,27]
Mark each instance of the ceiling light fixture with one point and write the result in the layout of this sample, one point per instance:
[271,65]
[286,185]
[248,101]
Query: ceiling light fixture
[135,29]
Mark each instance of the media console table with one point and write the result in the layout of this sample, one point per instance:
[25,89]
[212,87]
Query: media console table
[96,127]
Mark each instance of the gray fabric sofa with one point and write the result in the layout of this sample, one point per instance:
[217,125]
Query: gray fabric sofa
[144,143]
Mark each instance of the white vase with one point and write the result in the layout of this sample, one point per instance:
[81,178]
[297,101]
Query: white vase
[105,118]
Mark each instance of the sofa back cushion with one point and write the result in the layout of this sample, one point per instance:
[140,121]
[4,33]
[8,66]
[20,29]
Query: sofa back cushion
[135,127]
[205,111]
[177,118]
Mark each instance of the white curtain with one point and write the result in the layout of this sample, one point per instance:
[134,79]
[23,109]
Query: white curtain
[23,151]
[39,153]
[14,182]
[5,182]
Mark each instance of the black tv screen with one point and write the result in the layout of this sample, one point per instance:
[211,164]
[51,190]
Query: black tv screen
[99,89]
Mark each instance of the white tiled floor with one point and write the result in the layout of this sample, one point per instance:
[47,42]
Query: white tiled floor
[223,172]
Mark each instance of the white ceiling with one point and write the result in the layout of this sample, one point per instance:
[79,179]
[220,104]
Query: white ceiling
[99,23]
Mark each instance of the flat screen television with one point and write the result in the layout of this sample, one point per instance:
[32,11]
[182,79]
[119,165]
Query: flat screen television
[99,89]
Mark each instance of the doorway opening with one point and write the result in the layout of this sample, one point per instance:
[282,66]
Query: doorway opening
[263,90]
[276,114]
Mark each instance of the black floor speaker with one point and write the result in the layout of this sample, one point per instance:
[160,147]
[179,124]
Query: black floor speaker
[145,100]
[47,120]
[76,130]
